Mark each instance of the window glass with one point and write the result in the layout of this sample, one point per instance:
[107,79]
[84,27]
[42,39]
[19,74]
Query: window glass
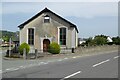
[62,36]
[31,36]
[46,19]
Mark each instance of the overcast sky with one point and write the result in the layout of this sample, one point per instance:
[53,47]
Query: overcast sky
[91,18]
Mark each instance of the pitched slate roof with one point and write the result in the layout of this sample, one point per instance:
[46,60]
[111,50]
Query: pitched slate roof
[43,11]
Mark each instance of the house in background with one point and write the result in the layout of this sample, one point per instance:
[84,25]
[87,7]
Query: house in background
[109,39]
[81,40]
[47,27]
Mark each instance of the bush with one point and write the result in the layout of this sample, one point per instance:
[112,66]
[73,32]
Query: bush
[116,40]
[22,46]
[54,48]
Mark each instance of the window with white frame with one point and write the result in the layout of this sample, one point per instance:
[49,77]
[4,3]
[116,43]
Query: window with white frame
[31,36]
[62,36]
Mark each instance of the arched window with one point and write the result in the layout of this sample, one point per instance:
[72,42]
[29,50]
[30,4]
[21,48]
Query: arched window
[62,36]
[31,36]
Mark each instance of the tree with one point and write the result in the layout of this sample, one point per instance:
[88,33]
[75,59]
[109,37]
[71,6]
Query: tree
[100,40]
[116,40]
[90,42]
[6,38]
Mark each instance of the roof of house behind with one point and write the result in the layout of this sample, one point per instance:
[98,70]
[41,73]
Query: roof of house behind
[46,10]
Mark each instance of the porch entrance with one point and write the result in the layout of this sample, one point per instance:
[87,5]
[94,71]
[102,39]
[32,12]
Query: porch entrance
[46,43]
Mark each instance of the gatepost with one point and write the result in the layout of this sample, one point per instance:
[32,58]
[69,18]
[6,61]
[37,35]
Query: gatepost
[36,53]
[9,47]
[24,54]
[73,50]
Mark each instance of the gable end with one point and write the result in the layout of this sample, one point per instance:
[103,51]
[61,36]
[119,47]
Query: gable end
[43,11]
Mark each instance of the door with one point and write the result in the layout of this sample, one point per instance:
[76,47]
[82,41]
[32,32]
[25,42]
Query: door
[46,43]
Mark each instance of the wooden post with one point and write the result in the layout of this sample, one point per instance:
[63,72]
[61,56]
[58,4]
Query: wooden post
[73,50]
[24,53]
[36,53]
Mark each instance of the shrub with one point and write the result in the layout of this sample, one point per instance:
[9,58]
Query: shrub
[100,41]
[22,46]
[54,48]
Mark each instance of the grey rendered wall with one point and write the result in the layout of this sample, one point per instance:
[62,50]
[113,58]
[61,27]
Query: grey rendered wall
[41,29]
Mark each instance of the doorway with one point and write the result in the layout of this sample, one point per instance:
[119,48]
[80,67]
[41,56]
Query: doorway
[46,43]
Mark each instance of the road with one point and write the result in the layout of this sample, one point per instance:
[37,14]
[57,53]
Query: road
[95,66]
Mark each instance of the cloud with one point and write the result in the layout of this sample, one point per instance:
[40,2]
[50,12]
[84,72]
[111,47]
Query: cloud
[77,9]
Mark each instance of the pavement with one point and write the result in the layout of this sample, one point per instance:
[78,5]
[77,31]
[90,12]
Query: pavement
[102,65]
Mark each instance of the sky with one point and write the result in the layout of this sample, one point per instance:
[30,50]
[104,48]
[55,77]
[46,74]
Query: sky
[91,18]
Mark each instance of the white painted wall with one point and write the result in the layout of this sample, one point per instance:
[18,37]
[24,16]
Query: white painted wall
[73,38]
[23,35]
[76,39]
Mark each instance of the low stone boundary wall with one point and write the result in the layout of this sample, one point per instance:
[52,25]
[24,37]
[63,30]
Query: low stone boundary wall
[94,49]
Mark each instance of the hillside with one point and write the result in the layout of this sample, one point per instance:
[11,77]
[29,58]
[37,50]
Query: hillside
[5,35]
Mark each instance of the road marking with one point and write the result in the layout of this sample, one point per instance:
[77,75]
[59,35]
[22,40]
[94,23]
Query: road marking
[42,62]
[45,63]
[73,57]
[50,61]
[60,60]
[36,64]
[12,69]
[66,58]
[32,60]
[15,68]
[101,63]
[116,57]
[54,55]
[22,66]
[71,75]
[8,69]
